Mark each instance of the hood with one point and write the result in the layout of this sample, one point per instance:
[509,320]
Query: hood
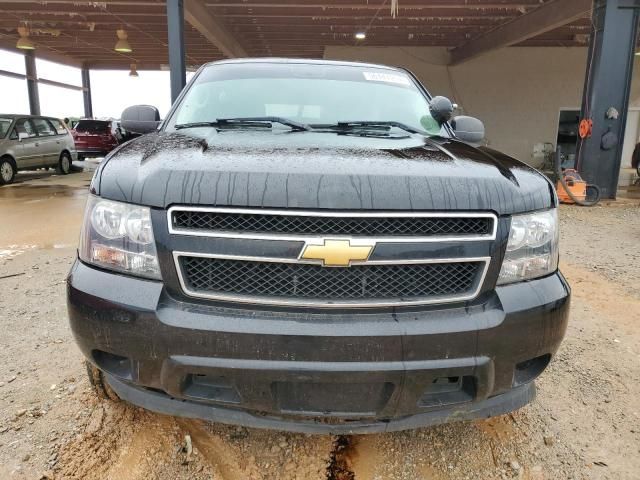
[315,170]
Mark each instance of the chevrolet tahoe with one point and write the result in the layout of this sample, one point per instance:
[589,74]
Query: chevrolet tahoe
[316,246]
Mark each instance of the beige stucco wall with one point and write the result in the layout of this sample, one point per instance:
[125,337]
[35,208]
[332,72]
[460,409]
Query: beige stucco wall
[518,92]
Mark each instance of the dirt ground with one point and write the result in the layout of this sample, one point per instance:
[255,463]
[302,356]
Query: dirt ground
[585,422]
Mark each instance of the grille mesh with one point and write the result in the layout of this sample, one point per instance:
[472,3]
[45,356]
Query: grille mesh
[304,281]
[311,225]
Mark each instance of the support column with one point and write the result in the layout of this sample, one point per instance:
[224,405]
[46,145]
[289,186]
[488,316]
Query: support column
[86,93]
[32,82]
[177,65]
[605,99]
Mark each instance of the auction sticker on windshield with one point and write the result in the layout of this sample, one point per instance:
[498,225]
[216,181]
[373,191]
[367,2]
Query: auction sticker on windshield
[386,77]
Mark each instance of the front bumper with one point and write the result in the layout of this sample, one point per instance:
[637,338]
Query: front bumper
[320,372]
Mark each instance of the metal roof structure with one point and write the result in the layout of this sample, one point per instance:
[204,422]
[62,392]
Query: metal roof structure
[83,33]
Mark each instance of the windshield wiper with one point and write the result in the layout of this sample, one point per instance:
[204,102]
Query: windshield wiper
[260,122]
[368,125]
[180,126]
[296,126]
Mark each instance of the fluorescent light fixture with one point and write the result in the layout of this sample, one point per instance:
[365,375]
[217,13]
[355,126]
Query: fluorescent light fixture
[24,43]
[360,35]
[122,45]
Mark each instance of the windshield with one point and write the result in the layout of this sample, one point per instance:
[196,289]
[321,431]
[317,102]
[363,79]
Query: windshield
[5,123]
[311,94]
[92,126]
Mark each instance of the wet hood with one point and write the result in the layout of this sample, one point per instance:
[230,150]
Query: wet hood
[318,170]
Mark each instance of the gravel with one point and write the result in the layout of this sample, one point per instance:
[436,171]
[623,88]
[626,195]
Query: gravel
[585,422]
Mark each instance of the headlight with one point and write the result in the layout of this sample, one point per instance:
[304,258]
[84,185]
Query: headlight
[119,236]
[532,249]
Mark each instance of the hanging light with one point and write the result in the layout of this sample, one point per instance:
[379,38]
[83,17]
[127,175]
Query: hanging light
[122,45]
[360,35]
[395,8]
[134,71]
[24,42]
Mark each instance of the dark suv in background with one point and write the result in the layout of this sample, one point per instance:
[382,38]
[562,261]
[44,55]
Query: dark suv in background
[316,246]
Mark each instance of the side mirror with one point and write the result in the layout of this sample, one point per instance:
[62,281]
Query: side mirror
[468,129]
[441,109]
[140,119]
[22,136]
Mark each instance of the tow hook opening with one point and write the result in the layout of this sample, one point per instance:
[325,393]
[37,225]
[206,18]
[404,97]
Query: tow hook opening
[448,391]
[113,364]
[529,369]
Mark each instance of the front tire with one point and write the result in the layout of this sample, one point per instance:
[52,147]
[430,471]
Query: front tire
[64,164]
[7,171]
[99,384]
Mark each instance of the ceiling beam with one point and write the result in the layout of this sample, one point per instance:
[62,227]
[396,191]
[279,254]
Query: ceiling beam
[548,16]
[270,3]
[196,13]
[8,43]
[416,5]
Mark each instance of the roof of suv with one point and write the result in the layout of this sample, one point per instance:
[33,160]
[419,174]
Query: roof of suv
[25,115]
[304,61]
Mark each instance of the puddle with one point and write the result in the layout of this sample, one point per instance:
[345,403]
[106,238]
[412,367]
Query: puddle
[42,213]
[36,193]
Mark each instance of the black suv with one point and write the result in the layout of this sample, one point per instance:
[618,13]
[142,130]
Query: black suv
[316,246]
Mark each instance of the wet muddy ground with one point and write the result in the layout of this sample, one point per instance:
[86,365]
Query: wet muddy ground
[42,211]
[585,422]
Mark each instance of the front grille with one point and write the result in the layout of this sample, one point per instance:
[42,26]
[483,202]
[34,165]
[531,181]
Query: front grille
[421,226]
[298,281]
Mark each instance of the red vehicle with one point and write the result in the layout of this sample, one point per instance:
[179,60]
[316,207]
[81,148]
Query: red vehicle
[95,138]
